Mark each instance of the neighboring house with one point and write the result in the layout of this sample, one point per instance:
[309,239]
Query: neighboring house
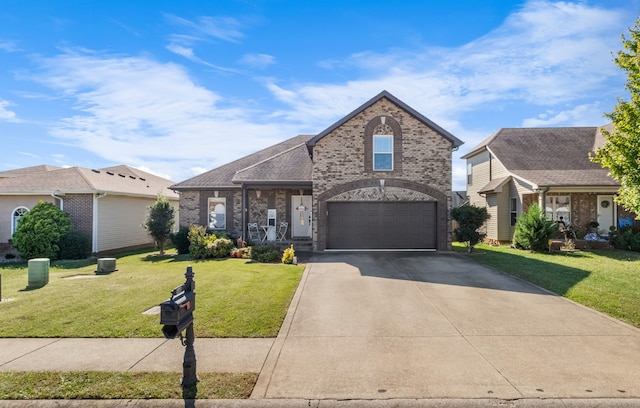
[379,178]
[550,166]
[109,205]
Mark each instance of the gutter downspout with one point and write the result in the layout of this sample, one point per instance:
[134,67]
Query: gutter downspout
[245,210]
[53,194]
[94,238]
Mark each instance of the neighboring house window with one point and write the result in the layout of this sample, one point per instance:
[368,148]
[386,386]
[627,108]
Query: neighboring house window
[469,173]
[514,211]
[15,218]
[559,206]
[382,152]
[218,213]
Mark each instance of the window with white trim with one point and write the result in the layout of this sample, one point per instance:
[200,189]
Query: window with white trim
[514,210]
[558,207]
[469,173]
[382,152]
[15,218]
[217,213]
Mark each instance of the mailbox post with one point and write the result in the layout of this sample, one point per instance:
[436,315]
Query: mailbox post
[176,316]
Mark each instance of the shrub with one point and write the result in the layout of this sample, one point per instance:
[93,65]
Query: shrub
[75,245]
[265,253]
[39,231]
[470,218]
[625,238]
[180,240]
[288,254]
[219,248]
[198,241]
[533,230]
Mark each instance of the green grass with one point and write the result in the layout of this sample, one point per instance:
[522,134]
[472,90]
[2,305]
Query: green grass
[604,280]
[235,297]
[110,385]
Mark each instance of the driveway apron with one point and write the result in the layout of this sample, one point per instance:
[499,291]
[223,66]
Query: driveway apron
[438,325]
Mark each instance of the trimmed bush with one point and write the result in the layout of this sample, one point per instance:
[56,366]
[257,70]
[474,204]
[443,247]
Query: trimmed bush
[75,245]
[288,254]
[180,240]
[533,230]
[265,253]
[470,218]
[39,231]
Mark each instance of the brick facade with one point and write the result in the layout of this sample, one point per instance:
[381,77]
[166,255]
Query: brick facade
[80,209]
[422,163]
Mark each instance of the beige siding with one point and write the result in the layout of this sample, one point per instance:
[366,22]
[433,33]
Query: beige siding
[504,215]
[479,178]
[492,222]
[8,204]
[120,222]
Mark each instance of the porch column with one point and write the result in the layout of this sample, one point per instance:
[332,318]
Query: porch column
[245,209]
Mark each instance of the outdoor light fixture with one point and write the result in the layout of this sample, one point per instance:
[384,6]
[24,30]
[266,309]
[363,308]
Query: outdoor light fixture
[382,185]
[258,192]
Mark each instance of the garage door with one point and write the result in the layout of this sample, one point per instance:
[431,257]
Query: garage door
[381,225]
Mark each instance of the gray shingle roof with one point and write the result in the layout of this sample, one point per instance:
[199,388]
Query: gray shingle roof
[285,161]
[27,170]
[548,156]
[120,180]
[385,94]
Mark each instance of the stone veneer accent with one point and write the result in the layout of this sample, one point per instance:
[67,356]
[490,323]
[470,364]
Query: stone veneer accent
[343,158]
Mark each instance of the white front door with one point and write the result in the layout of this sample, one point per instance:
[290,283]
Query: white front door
[301,216]
[606,215]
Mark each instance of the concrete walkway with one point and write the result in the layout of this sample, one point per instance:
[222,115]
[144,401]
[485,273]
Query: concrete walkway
[391,330]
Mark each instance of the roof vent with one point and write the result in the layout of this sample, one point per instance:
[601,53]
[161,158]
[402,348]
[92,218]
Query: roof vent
[121,175]
[110,173]
[95,171]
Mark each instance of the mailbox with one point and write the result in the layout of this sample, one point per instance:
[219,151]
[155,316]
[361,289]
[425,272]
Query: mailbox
[176,313]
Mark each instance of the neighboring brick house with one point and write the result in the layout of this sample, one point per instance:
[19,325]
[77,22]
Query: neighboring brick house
[550,166]
[109,205]
[380,178]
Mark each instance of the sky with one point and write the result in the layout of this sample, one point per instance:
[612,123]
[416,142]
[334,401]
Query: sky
[177,88]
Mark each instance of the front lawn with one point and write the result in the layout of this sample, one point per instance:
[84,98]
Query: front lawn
[235,297]
[604,280]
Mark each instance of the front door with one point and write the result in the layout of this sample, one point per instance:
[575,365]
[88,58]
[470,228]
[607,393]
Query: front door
[606,215]
[301,216]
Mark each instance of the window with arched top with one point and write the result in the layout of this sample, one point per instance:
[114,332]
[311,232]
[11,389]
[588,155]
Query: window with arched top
[383,145]
[15,218]
[217,213]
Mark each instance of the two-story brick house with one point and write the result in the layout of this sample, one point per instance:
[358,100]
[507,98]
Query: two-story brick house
[379,178]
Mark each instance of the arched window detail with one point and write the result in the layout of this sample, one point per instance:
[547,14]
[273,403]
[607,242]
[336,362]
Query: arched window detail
[383,145]
[15,217]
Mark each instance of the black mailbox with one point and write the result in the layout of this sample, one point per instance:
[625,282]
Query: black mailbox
[176,313]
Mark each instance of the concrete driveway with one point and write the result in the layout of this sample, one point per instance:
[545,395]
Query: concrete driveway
[437,325]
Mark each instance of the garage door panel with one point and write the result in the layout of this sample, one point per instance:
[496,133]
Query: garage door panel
[381,225]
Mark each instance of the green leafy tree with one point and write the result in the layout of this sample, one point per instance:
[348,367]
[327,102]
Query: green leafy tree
[160,221]
[39,231]
[470,218]
[621,149]
[533,230]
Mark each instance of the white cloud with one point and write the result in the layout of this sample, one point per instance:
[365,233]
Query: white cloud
[137,111]
[261,61]
[6,114]
[581,115]
[223,28]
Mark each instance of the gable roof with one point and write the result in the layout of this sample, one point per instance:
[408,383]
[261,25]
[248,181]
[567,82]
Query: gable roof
[547,156]
[384,94]
[118,180]
[285,161]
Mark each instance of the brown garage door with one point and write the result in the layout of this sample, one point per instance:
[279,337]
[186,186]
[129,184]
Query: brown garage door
[381,225]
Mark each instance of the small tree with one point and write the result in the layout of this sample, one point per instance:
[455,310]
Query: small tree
[39,231]
[470,218]
[533,230]
[160,221]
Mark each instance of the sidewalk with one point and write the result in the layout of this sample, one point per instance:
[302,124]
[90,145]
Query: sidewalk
[212,355]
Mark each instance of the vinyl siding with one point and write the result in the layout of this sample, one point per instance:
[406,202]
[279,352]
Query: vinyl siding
[480,178]
[120,222]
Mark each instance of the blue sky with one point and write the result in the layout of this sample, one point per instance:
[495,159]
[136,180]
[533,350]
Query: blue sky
[178,88]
